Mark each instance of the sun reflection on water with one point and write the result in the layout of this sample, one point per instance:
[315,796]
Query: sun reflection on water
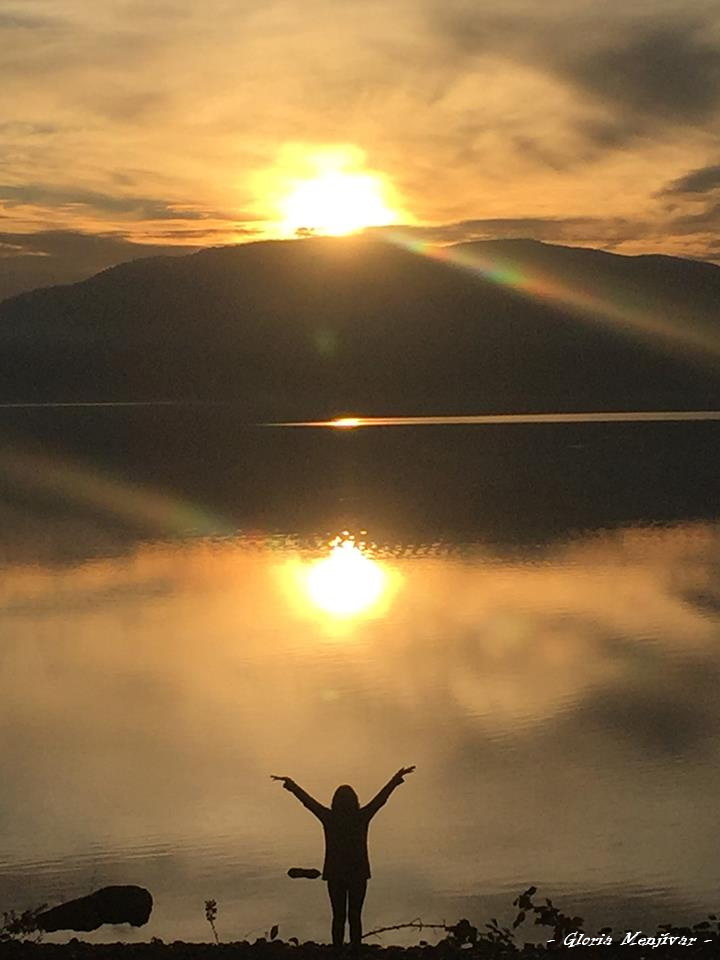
[347,423]
[346,583]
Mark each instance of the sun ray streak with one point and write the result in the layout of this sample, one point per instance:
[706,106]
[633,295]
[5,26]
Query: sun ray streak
[637,416]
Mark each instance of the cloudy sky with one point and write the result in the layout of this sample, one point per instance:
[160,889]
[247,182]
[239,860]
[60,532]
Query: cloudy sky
[128,122]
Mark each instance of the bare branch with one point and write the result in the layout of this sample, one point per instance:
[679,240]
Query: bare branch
[416,924]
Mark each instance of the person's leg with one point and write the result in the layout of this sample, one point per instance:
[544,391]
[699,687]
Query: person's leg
[356,898]
[338,893]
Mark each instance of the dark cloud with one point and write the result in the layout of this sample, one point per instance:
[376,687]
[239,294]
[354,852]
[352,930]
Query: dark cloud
[14,21]
[19,128]
[28,261]
[708,220]
[609,133]
[668,73]
[699,181]
[141,208]
[643,73]
[579,229]
[133,106]
[62,243]
[206,234]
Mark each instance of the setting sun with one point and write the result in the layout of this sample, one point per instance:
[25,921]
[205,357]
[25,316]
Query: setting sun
[328,191]
[336,203]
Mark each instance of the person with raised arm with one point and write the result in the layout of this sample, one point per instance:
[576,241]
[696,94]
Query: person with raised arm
[347,866]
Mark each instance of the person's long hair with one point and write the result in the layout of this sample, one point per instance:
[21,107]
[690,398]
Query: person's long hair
[345,800]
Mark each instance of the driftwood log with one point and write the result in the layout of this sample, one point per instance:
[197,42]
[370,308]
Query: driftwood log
[127,904]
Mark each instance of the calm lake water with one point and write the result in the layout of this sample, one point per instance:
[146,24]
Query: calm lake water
[533,621]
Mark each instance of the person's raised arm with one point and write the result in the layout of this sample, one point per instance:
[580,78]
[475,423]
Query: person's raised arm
[307,801]
[381,796]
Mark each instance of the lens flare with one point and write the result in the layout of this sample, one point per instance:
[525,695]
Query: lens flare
[607,305]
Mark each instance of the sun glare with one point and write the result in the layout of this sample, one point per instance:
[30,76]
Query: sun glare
[329,192]
[346,582]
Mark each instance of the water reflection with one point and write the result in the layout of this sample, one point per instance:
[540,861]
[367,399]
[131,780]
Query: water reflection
[560,704]
[346,581]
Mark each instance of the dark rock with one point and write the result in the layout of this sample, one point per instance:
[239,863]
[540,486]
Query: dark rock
[118,904]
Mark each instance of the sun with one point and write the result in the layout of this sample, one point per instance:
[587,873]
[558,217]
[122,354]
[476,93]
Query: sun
[329,192]
[336,203]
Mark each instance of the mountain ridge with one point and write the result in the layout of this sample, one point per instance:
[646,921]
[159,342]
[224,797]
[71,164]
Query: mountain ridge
[509,242]
[322,326]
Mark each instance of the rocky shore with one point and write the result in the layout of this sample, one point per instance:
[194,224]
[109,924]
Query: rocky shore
[702,947]
[540,930]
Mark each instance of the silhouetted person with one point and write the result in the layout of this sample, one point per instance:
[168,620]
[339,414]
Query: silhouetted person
[347,866]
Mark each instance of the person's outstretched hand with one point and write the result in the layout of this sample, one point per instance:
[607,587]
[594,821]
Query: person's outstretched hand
[286,781]
[402,773]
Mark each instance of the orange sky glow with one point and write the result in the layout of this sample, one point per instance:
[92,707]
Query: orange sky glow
[180,125]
